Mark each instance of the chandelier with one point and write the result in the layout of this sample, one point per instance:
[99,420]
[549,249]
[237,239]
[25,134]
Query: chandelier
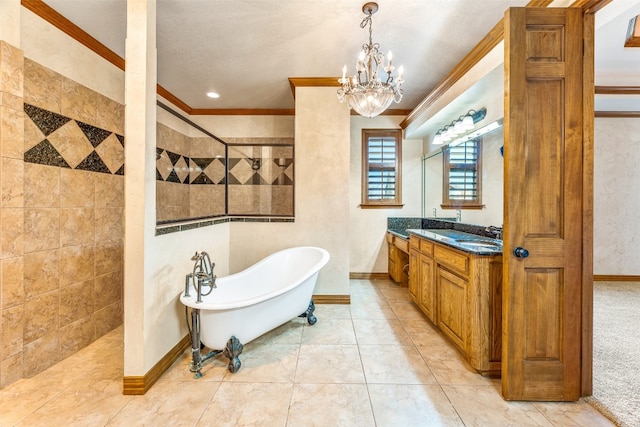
[366,93]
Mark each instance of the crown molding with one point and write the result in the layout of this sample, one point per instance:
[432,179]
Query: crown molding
[312,82]
[243,112]
[617,90]
[618,114]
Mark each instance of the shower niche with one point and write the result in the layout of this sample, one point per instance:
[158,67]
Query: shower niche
[199,175]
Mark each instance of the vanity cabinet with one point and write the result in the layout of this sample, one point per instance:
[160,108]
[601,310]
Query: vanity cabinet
[398,259]
[460,292]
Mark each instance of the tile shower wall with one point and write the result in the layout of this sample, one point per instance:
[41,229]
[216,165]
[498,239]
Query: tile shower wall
[190,176]
[62,267]
[261,176]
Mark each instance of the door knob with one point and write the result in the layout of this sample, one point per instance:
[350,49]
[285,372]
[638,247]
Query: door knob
[520,252]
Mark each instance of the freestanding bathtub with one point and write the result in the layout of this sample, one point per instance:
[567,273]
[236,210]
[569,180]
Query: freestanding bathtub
[247,304]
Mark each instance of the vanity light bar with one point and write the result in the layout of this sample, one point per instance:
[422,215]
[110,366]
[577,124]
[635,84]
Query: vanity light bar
[478,133]
[457,127]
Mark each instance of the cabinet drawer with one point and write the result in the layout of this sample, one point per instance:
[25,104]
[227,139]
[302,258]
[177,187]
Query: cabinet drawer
[390,238]
[452,259]
[414,242]
[401,244]
[426,247]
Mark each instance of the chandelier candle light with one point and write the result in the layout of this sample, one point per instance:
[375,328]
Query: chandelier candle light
[366,93]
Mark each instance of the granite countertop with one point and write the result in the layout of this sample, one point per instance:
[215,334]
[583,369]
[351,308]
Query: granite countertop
[471,243]
[404,234]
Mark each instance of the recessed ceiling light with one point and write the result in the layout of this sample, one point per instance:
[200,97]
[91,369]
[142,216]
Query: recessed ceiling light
[213,95]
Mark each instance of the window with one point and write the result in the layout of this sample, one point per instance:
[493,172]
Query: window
[381,166]
[462,183]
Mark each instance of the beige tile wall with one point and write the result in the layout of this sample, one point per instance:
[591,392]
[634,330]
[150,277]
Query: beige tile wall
[62,230]
[12,292]
[262,199]
[178,201]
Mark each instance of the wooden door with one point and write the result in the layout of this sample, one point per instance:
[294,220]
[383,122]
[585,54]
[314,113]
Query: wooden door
[543,204]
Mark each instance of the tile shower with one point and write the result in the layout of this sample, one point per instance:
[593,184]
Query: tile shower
[200,176]
[62,211]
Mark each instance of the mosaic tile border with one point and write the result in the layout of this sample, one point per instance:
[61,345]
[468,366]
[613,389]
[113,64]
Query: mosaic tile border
[72,144]
[175,228]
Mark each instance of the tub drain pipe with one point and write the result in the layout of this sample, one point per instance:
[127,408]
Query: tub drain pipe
[197,359]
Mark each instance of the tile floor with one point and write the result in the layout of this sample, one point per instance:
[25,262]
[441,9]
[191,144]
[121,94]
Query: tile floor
[377,362]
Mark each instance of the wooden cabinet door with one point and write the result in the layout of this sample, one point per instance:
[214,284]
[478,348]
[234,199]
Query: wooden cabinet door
[452,306]
[414,275]
[428,288]
[543,204]
[393,263]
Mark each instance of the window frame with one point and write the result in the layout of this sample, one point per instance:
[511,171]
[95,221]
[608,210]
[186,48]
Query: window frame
[395,202]
[447,202]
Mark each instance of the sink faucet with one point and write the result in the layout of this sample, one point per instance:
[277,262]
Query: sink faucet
[459,215]
[496,231]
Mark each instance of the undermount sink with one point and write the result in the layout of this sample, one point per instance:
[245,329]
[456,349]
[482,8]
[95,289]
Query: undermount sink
[480,243]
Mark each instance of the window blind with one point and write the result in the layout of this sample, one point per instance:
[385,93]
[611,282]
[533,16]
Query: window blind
[381,155]
[463,173]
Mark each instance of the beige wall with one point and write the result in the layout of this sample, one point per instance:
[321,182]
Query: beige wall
[616,203]
[49,46]
[368,248]
[321,192]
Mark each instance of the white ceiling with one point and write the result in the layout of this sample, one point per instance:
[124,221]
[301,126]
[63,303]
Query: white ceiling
[247,49]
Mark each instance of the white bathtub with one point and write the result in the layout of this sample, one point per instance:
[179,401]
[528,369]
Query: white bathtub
[260,298]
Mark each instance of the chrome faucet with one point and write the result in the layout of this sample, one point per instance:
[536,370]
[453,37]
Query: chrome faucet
[203,273]
[459,215]
[496,231]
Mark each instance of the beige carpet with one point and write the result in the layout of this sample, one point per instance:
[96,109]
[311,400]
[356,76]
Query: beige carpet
[616,351]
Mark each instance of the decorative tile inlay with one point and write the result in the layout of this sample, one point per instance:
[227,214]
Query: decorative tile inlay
[46,121]
[215,172]
[111,152]
[69,143]
[242,171]
[45,154]
[181,167]
[94,135]
[93,163]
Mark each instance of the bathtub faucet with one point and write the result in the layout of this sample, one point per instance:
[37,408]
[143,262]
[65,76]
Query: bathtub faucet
[203,273]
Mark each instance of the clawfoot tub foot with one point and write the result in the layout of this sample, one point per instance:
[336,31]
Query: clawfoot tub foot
[232,351]
[309,313]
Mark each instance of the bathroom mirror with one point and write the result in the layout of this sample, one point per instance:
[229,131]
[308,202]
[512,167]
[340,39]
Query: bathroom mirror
[492,184]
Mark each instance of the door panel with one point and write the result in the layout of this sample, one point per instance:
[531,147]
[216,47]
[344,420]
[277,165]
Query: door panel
[543,204]
[452,306]
[428,288]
